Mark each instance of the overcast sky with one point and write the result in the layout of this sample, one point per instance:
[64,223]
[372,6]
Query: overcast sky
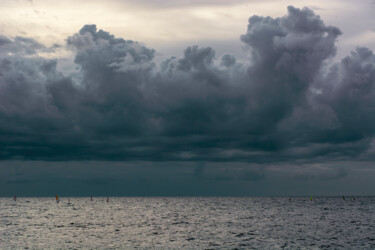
[183,97]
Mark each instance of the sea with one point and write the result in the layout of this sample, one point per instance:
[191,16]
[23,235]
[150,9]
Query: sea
[188,223]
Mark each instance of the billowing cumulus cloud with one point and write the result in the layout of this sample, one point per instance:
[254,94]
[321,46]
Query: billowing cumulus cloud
[288,102]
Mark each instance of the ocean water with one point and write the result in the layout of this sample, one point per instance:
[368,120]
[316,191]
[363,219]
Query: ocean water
[203,223]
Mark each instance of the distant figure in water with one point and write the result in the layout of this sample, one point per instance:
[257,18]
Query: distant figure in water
[57,199]
[290,199]
[107,199]
[15,198]
[91,197]
[311,198]
[343,197]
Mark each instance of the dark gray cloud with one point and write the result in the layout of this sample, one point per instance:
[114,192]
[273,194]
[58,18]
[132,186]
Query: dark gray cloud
[286,103]
[229,173]
[103,178]
[326,175]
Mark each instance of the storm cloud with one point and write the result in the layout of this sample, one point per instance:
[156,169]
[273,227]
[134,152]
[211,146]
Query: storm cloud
[288,102]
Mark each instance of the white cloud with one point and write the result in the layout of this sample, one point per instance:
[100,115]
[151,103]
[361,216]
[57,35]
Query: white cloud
[162,24]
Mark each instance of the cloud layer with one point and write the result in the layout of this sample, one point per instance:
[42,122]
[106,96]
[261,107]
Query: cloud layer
[288,102]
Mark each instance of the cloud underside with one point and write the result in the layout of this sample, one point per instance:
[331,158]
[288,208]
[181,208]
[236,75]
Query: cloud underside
[288,102]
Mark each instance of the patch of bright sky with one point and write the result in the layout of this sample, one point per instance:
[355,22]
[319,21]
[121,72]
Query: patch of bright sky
[170,26]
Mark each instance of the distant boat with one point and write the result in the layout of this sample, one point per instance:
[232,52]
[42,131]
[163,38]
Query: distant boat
[57,199]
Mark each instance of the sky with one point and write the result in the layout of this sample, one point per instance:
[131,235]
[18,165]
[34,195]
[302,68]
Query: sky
[187,98]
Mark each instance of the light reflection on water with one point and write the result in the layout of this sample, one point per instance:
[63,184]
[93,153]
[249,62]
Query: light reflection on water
[325,222]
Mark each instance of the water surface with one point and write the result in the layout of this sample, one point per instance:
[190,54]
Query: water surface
[324,222]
